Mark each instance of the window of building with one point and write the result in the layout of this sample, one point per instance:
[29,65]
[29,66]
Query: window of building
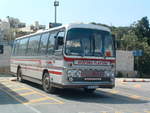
[1,49]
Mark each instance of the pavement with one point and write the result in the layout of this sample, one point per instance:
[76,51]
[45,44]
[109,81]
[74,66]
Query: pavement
[5,75]
[27,97]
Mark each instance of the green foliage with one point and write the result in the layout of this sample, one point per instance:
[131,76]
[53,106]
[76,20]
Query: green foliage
[135,37]
[141,28]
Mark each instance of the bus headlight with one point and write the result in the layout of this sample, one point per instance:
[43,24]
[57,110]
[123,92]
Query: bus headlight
[78,73]
[74,73]
[70,73]
[109,74]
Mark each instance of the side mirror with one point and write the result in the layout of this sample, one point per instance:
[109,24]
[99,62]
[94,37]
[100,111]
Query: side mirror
[60,41]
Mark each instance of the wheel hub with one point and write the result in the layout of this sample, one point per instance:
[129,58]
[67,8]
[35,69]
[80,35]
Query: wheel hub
[46,82]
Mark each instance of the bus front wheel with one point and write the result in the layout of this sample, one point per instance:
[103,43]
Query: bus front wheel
[47,87]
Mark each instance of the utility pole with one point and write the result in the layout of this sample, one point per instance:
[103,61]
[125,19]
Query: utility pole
[56,3]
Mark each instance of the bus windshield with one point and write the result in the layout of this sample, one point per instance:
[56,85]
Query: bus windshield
[89,42]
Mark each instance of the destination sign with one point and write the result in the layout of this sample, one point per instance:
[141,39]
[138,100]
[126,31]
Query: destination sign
[91,62]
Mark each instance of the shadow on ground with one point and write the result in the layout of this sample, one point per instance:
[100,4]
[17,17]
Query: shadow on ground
[8,96]
[6,75]
[103,97]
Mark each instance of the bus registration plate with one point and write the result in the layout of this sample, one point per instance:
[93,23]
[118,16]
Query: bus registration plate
[92,79]
[92,87]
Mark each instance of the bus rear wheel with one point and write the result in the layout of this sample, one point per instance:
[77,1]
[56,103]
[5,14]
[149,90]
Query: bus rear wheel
[47,86]
[19,75]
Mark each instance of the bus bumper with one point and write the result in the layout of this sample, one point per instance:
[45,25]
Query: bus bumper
[85,85]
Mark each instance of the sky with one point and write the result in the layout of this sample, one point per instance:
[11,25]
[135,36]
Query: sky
[110,12]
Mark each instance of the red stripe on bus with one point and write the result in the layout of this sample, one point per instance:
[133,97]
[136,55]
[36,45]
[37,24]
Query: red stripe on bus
[56,67]
[55,72]
[52,72]
[72,59]
[34,60]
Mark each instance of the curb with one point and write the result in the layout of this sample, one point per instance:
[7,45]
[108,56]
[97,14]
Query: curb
[135,80]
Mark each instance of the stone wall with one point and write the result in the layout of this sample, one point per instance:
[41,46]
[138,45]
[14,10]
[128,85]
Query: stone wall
[125,63]
[5,60]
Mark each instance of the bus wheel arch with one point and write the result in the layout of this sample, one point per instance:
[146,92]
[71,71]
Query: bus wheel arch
[46,82]
[44,71]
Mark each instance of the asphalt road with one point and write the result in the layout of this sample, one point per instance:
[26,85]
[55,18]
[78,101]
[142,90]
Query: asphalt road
[127,97]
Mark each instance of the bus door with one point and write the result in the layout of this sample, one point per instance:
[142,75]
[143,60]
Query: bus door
[56,43]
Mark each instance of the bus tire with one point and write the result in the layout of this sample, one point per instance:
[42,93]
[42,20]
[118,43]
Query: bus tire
[19,75]
[47,87]
[89,90]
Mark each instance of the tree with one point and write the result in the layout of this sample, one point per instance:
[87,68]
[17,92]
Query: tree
[136,37]
[142,29]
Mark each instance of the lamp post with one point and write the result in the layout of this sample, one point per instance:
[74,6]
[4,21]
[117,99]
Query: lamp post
[56,3]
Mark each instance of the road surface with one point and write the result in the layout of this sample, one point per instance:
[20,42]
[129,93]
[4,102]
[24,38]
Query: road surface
[126,97]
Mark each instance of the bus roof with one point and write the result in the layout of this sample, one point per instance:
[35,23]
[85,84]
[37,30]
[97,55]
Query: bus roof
[70,26]
[90,26]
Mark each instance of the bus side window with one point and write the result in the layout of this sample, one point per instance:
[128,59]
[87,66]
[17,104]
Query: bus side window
[17,48]
[43,44]
[23,47]
[51,43]
[33,45]
[14,48]
[60,40]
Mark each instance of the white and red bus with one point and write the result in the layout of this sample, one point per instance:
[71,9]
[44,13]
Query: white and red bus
[70,56]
